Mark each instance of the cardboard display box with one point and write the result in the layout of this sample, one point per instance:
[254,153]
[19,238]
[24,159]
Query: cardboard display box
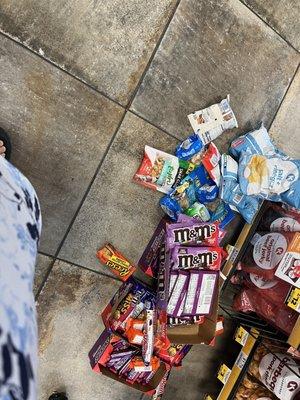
[195,334]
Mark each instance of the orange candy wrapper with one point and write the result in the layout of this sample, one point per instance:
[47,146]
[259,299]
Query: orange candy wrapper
[120,266]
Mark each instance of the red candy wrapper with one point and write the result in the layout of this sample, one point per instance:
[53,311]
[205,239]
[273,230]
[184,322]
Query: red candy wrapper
[278,219]
[184,257]
[210,160]
[120,266]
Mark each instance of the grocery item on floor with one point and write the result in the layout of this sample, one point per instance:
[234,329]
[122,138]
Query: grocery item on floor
[278,217]
[192,232]
[196,186]
[149,259]
[265,252]
[231,193]
[222,215]
[198,211]
[192,257]
[251,389]
[207,124]
[280,316]
[274,178]
[289,266]
[120,266]
[272,370]
[210,160]
[161,171]
[257,141]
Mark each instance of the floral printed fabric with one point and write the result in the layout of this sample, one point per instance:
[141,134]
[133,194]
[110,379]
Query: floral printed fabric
[20,227]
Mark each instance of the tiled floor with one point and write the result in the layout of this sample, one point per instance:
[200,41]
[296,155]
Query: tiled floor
[84,85]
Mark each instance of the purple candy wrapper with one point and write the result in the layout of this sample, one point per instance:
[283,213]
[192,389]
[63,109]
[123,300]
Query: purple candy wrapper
[149,261]
[173,279]
[177,299]
[192,232]
[201,292]
[175,321]
[163,279]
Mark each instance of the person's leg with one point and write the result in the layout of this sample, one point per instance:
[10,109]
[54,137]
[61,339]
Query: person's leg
[20,227]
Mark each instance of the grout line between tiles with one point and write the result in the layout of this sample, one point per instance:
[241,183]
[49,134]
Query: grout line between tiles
[53,64]
[284,96]
[270,26]
[153,55]
[43,253]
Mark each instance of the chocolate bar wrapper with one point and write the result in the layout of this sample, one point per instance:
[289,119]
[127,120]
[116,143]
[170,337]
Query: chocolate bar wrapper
[192,232]
[119,265]
[174,353]
[173,279]
[149,261]
[201,292]
[148,342]
[176,302]
[184,257]
[163,279]
[130,304]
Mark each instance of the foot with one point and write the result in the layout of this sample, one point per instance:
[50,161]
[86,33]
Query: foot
[58,396]
[2,149]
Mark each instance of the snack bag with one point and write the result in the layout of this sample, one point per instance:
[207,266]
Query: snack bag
[274,289]
[161,171]
[211,122]
[187,192]
[192,232]
[231,193]
[281,316]
[120,266]
[277,218]
[222,215]
[184,257]
[271,368]
[190,147]
[264,253]
[273,178]
[210,160]
[254,142]
[250,389]
[198,211]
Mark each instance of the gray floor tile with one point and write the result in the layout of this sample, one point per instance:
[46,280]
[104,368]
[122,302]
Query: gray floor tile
[198,373]
[285,128]
[105,43]
[210,49]
[42,265]
[59,129]
[117,210]
[282,15]
[69,324]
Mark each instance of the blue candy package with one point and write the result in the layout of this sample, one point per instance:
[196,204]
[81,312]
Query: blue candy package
[187,192]
[206,193]
[189,147]
[274,178]
[222,214]
[254,142]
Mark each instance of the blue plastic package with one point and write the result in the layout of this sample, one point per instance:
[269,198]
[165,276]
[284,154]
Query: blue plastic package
[189,147]
[223,214]
[207,193]
[231,192]
[254,142]
[187,192]
[274,178]
[247,206]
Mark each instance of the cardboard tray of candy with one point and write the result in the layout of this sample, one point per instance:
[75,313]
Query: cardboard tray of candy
[263,369]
